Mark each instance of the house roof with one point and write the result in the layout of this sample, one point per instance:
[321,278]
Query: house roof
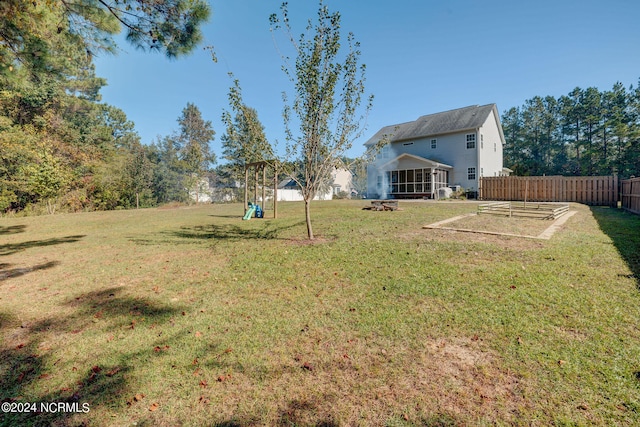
[430,163]
[461,119]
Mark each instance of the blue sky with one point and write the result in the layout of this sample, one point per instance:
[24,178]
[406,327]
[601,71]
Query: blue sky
[422,57]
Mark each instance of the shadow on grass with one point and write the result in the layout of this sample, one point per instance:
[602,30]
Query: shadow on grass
[624,230]
[233,232]
[219,232]
[12,229]
[27,362]
[7,273]
[12,248]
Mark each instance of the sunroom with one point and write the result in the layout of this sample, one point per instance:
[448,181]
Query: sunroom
[410,176]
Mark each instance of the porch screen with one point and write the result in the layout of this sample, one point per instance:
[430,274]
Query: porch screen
[412,181]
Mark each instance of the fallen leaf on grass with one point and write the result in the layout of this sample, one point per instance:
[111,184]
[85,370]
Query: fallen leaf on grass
[561,362]
[203,400]
[113,371]
[153,407]
[203,383]
[198,334]
[307,366]
[223,378]
[96,369]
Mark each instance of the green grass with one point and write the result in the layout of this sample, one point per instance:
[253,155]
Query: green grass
[191,316]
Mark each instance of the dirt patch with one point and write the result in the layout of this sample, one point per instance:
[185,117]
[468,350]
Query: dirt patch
[364,384]
[502,226]
[514,225]
[452,236]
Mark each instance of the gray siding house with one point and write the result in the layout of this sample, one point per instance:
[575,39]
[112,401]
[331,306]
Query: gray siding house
[452,148]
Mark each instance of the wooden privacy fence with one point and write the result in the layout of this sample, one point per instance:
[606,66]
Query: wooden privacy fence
[590,190]
[631,195]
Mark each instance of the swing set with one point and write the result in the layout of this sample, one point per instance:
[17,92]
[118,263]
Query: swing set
[253,208]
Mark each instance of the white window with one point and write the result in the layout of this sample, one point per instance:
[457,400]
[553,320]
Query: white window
[471,174]
[495,147]
[481,141]
[481,171]
[434,143]
[471,140]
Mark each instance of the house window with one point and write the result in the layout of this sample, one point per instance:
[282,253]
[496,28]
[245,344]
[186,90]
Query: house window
[386,151]
[471,174]
[481,141]
[407,143]
[434,143]
[495,147]
[481,171]
[471,140]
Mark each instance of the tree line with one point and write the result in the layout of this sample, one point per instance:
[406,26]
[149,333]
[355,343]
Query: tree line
[584,133]
[60,147]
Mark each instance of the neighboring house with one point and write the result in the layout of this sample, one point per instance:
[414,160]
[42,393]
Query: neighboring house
[288,190]
[202,191]
[342,181]
[452,148]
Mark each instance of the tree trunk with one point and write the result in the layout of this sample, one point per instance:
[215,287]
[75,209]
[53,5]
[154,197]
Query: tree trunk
[307,214]
[137,200]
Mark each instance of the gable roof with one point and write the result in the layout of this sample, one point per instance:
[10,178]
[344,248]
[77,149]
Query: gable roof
[461,119]
[430,163]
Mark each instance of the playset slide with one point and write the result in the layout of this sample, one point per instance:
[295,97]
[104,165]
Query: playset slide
[250,212]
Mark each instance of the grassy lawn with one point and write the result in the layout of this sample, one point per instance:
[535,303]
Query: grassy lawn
[191,316]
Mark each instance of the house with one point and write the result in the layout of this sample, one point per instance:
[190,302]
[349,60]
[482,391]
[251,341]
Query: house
[341,181]
[201,192]
[448,149]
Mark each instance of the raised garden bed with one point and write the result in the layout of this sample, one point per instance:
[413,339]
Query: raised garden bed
[537,210]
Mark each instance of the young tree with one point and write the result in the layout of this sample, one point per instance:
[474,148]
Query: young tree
[195,152]
[329,86]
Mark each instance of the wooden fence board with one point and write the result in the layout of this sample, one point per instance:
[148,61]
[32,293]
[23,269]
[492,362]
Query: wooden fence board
[631,195]
[590,190]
